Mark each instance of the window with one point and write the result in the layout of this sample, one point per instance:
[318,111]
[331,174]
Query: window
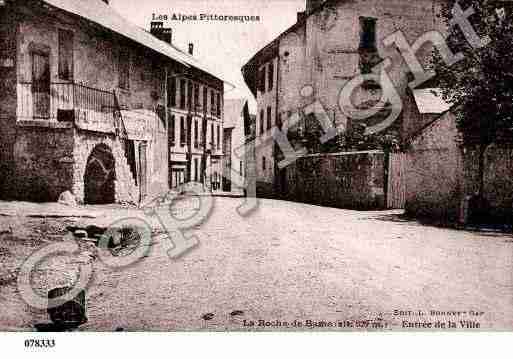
[212,103]
[269,119]
[189,94]
[124,69]
[368,52]
[212,135]
[183,135]
[205,98]
[196,96]
[182,94]
[203,132]
[261,80]
[196,170]
[241,167]
[172,131]
[171,92]
[264,165]
[218,138]
[271,76]
[368,33]
[218,104]
[261,122]
[65,55]
[196,134]
[189,131]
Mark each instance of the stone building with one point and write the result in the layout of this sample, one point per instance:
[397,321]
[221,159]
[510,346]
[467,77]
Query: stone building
[236,114]
[83,104]
[331,43]
[195,112]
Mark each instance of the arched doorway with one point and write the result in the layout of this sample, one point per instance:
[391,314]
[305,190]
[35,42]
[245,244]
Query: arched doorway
[99,176]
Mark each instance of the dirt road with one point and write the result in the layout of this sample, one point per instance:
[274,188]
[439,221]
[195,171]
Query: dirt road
[288,266]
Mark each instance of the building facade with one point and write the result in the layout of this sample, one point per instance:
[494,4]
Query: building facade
[331,43]
[83,105]
[234,168]
[195,106]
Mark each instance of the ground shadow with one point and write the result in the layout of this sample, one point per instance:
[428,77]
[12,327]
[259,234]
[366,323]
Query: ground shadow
[54,328]
[485,229]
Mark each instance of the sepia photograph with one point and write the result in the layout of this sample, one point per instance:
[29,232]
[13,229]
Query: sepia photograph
[297,166]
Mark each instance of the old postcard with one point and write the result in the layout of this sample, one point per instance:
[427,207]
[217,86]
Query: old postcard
[256,166]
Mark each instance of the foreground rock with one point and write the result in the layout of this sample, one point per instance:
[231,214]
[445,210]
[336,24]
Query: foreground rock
[67,199]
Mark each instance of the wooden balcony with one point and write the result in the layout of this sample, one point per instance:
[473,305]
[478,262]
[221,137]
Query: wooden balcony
[89,108]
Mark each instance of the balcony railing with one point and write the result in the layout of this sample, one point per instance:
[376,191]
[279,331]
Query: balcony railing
[66,102]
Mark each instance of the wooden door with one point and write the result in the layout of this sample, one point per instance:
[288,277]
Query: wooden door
[143,170]
[396,196]
[41,85]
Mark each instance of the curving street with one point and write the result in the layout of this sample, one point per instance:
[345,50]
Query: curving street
[285,267]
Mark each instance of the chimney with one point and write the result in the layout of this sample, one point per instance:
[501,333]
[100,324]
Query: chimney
[311,5]
[191,48]
[158,30]
[301,16]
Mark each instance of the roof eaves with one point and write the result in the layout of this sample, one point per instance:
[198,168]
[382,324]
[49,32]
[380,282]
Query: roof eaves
[114,22]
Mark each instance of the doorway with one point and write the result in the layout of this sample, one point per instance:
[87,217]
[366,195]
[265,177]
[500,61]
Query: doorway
[143,170]
[100,176]
[41,85]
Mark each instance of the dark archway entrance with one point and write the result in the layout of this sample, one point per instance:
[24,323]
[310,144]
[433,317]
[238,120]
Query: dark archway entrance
[99,176]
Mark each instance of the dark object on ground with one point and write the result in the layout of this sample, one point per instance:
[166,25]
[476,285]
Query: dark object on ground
[237,313]
[120,330]
[92,231]
[121,240]
[479,210]
[80,233]
[69,314]
[208,316]
[52,328]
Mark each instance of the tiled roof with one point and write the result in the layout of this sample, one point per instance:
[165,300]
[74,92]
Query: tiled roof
[102,14]
[430,101]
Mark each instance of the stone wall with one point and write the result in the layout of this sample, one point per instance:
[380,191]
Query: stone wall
[499,181]
[43,163]
[7,99]
[49,161]
[441,174]
[125,186]
[292,71]
[266,190]
[345,180]
[434,183]
[498,178]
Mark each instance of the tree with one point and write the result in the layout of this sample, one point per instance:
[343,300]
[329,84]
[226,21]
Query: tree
[480,85]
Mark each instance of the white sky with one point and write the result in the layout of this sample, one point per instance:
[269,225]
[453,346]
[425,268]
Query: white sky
[224,46]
